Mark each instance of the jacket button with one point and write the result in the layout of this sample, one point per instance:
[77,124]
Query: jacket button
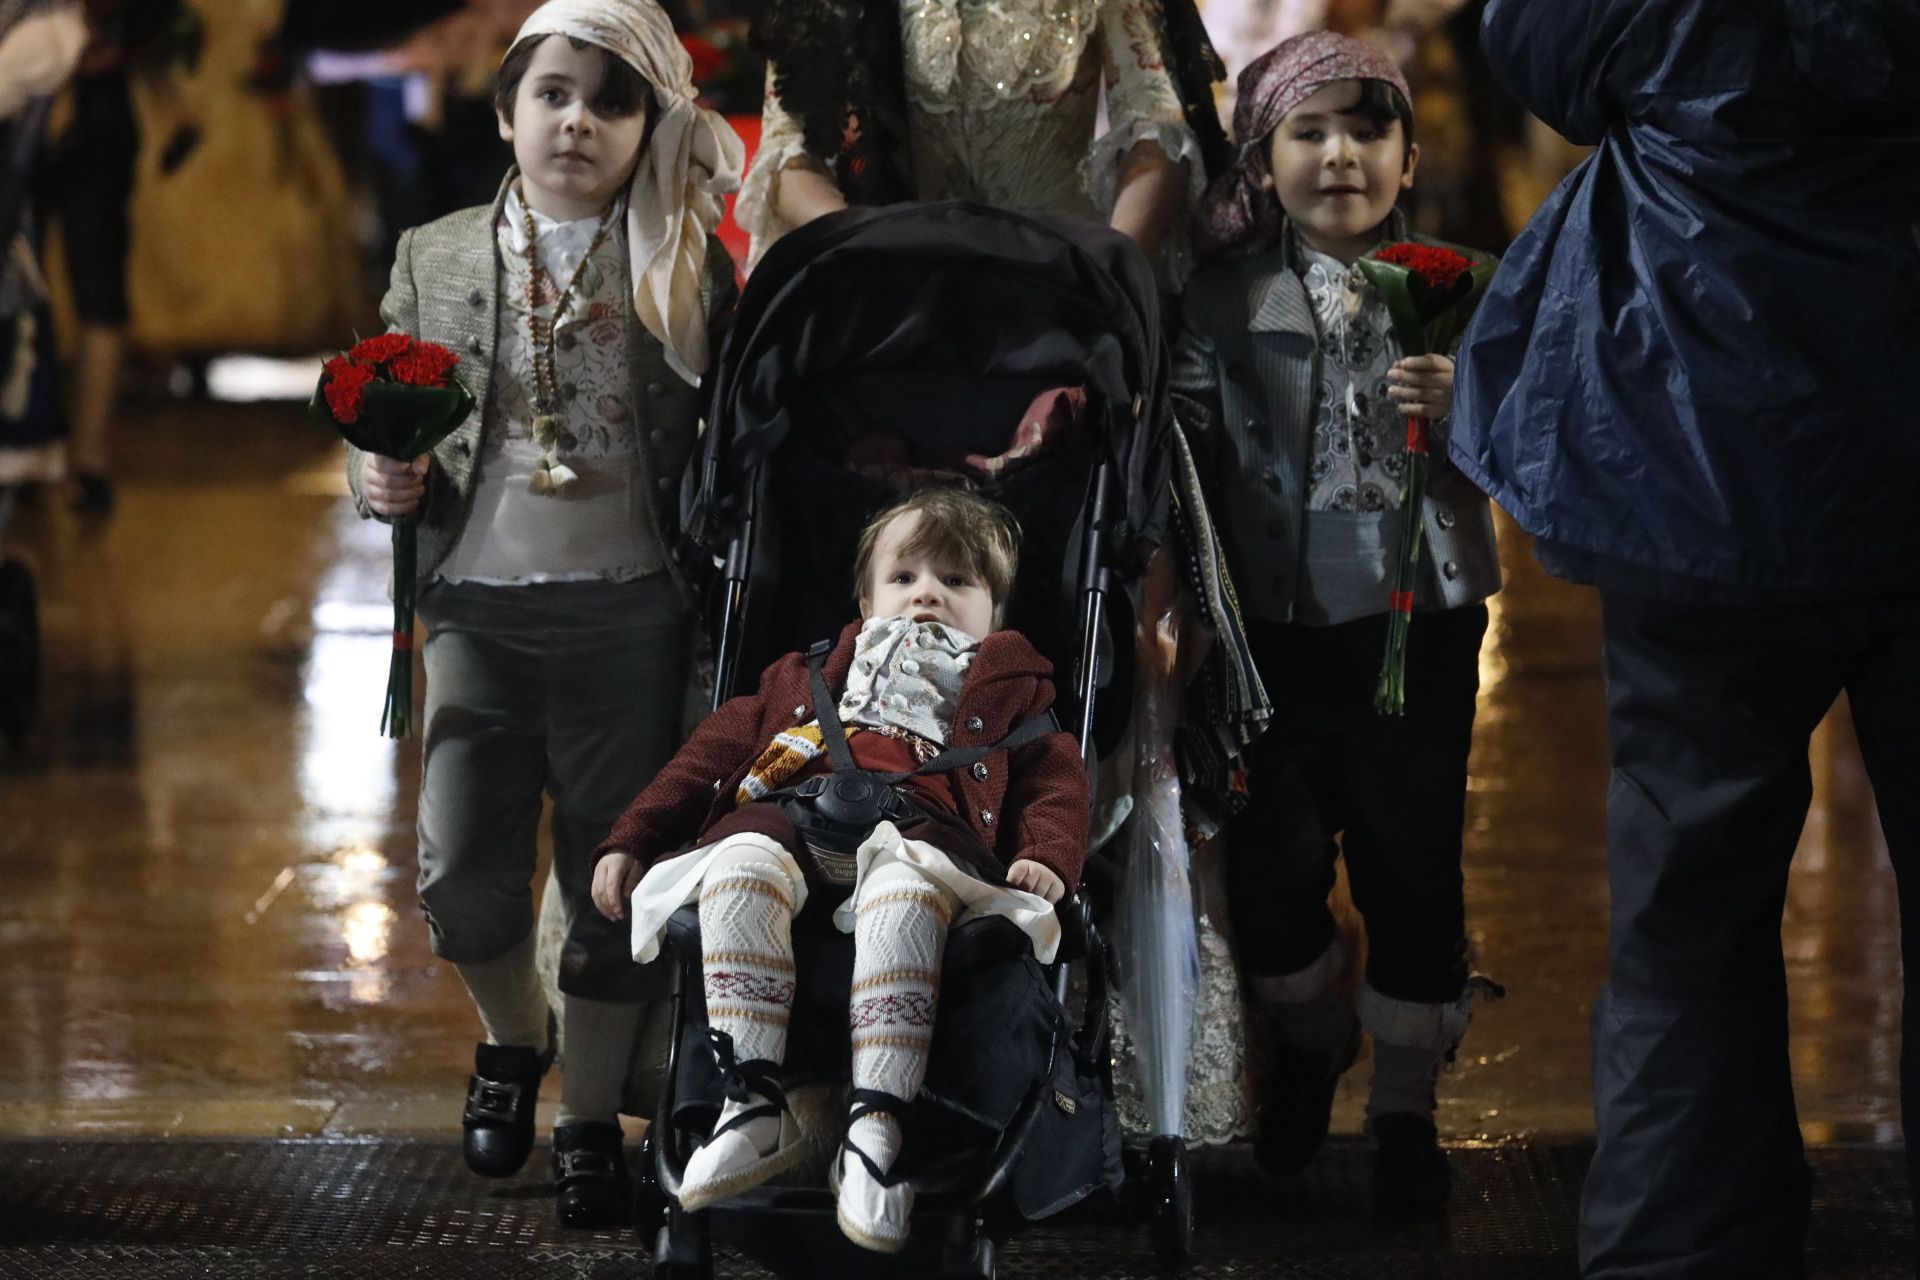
[1252,424]
[568,391]
[975,724]
[566,341]
[980,770]
[473,346]
[1452,569]
[476,299]
[1444,519]
[664,483]
[800,711]
[465,447]
[657,436]
[986,817]
[654,388]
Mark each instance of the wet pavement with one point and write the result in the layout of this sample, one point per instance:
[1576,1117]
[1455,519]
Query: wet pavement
[206,915]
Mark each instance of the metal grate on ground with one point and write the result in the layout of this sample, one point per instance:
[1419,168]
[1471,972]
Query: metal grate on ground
[362,1210]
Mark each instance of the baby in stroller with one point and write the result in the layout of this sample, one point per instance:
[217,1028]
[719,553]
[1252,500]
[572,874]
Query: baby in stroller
[912,771]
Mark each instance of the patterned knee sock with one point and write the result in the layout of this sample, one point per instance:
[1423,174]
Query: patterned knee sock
[899,932]
[746,933]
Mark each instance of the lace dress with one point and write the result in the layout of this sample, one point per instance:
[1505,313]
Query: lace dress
[1003,101]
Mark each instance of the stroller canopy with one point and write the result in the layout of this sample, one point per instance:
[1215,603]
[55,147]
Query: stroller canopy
[938,324]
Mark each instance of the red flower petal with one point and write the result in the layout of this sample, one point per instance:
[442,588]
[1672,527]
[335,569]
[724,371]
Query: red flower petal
[1438,267]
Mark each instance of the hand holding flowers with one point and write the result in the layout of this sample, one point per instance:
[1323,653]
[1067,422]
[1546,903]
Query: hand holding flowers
[395,397]
[1430,294]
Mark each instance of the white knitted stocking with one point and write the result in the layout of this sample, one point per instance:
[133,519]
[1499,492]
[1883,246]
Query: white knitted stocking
[899,932]
[746,946]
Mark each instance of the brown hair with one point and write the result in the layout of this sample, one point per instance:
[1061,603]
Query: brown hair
[957,527]
[622,91]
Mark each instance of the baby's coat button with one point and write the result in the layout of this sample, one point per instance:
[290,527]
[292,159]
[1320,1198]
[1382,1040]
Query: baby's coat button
[975,724]
[980,770]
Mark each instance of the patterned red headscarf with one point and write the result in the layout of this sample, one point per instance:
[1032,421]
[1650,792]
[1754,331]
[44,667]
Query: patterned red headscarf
[1240,212]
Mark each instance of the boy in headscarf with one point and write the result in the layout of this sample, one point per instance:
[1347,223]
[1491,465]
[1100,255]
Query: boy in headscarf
[585,303]
[1295,396]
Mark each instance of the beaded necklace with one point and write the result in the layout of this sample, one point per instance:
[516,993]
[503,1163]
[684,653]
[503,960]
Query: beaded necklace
[552,475]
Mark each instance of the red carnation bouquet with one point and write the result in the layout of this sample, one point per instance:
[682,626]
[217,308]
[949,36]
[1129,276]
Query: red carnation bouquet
[1430,294]
[397,396]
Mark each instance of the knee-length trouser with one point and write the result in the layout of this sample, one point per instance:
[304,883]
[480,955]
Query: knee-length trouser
[1391,788]
[575,689]
[1699,1169]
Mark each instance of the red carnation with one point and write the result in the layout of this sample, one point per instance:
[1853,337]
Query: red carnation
[380,348]
[427,364]
[346,384]
[1440,268]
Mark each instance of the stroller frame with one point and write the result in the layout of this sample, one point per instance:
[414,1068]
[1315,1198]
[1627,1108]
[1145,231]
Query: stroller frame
[738,506]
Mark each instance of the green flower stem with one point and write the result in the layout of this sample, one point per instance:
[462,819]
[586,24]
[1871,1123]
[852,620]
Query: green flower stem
[396,717]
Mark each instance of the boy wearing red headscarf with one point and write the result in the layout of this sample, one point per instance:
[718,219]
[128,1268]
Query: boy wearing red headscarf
[1295,396]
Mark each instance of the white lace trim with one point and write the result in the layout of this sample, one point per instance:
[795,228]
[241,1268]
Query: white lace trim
[999,51]
[1100,178]
[1221,1064]
[758,210]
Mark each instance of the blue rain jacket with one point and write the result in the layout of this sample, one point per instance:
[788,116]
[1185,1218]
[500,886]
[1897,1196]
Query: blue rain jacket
[1699,367]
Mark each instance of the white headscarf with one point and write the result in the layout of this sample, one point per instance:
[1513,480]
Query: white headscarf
[692,159]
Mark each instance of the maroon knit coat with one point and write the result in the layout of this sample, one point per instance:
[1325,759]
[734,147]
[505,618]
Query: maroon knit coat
[1030,803]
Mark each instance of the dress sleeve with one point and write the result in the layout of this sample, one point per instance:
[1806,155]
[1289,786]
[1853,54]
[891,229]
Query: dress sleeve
[757,210]
[1142,106]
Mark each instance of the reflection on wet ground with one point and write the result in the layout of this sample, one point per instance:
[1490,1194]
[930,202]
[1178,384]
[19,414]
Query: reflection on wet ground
[206,914]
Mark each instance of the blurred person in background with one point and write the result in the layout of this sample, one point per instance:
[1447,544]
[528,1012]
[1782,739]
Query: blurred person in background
[92,166]
[40,44]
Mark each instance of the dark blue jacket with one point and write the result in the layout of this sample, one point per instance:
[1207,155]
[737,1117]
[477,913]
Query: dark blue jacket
[1699,368]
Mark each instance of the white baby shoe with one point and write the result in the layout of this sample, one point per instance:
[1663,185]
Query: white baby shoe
[752,1142]
[872,1214]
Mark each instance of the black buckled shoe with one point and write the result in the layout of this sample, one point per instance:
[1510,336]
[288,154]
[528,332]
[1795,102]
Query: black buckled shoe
[1410,1173]
[498,1121]
[591,1179]
[1296,1105]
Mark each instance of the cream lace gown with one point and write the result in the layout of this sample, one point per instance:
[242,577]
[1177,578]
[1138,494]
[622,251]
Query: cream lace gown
[1004,107]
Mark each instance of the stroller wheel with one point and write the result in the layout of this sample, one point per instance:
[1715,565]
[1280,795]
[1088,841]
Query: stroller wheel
[1170,1192]
[683,1250]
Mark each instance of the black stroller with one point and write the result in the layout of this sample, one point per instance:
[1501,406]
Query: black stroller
[872,349]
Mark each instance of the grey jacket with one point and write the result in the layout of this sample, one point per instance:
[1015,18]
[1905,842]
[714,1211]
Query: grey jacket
[446,289]
[1244,374]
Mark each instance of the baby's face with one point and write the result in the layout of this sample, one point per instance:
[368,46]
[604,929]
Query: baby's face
[916,587]
[1338,174]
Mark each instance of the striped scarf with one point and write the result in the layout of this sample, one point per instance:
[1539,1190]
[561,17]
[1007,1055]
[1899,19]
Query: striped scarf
[790,751]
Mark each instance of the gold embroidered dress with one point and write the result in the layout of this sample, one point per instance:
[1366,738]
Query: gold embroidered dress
[1004,103]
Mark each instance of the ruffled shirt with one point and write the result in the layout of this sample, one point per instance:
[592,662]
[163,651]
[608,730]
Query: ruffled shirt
[906,676]
[1003,105]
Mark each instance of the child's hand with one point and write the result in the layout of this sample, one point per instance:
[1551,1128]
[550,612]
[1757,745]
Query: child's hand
[392,487]
[1034,878]
[1422,386]
[614,879]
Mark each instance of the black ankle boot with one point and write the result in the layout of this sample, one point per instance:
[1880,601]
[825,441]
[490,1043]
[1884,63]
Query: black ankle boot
[1410,1173]
[594,1187]
[498,1121]
[1296,1105]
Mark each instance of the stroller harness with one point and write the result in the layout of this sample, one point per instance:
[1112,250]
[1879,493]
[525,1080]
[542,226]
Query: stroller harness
[835,812]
